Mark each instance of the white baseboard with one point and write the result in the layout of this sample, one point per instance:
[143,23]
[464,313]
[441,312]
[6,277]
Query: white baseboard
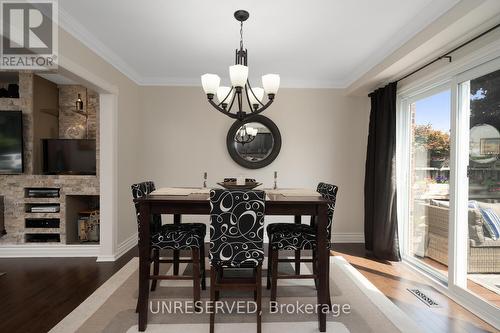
[122,248]
[38,251]
[348,237]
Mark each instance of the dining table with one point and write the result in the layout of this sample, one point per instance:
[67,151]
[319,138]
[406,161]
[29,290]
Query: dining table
[198,204]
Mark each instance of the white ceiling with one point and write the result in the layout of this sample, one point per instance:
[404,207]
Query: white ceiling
[310,43]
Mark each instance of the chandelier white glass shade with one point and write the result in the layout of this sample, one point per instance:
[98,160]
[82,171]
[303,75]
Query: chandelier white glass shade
[210,83]
[240,89]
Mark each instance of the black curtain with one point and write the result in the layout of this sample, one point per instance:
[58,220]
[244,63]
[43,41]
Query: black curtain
[381,224]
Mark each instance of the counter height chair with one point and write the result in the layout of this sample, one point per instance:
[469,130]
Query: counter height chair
[176,237]
[297,237]
[236,241]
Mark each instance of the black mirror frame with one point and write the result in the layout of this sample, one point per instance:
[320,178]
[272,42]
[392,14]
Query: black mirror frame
[240,160]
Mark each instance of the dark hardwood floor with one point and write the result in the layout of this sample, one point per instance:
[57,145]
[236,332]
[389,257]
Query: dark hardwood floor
[36,293]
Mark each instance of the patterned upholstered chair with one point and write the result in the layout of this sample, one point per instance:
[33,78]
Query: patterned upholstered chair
[185,236]
[236,241]
[297,237]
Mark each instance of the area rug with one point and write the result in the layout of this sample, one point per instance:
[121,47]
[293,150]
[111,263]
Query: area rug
[357,306]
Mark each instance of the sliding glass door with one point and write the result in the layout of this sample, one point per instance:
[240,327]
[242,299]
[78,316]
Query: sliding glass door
[479,99]
[448,160]
[429,173]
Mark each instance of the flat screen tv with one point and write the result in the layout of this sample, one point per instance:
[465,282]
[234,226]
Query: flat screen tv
[69,156]
[11,142]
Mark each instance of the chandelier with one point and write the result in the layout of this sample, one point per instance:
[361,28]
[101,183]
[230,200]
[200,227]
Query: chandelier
[228,97]
[246,134]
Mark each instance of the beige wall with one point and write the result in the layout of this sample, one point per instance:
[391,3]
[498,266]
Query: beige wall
[128,116]
[171,135]
[324,139]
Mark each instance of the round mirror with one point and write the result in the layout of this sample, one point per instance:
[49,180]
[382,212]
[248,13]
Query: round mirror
[484,144]
[254,143]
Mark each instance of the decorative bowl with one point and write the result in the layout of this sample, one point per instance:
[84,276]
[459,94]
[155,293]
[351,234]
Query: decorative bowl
[232,185]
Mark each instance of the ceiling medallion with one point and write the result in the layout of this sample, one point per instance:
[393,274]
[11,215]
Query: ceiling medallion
[228,97]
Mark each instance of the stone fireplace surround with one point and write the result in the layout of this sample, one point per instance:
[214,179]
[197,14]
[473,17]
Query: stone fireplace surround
[12,187]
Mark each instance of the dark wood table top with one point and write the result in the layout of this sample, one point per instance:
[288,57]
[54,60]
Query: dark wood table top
[202,197]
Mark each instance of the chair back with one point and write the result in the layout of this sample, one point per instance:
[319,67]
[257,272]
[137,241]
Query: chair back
[236,227]
[329,192]
[140,190]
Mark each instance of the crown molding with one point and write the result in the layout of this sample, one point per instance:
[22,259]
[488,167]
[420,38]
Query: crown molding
[77,30]
[195,82]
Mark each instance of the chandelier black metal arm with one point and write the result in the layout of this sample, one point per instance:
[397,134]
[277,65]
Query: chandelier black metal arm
[240,115]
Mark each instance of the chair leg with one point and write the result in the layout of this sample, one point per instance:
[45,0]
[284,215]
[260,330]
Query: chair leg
[176,262]
[297,220]
[255,290]
[328,283]
[177,221]
[202,263]
[269,262]
[156,267]
[315,267]
[297,262]
[212,298]
[196,277]
[258,281]
[274,274]
[218,274]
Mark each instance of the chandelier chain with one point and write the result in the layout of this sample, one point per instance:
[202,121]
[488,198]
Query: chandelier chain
[241,35]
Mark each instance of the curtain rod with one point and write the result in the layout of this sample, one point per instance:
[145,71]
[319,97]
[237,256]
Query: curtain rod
[447,54]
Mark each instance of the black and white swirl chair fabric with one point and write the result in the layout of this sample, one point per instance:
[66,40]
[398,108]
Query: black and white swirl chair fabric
[288,236]
[169,236]
[236,228]
[142,190]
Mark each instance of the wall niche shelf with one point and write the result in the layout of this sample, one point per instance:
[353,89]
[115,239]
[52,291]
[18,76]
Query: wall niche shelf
[42,238]
[42,192]
[42,223]
[78,210]
[43,208]
[9,85]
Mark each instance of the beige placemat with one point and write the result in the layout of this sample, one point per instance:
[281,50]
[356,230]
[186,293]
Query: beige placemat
[294,192]
[267,198]
[179,191]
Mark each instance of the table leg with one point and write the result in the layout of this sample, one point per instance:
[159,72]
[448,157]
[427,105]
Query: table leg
[144,264]
[177,220]
[322,253]
[298,220]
